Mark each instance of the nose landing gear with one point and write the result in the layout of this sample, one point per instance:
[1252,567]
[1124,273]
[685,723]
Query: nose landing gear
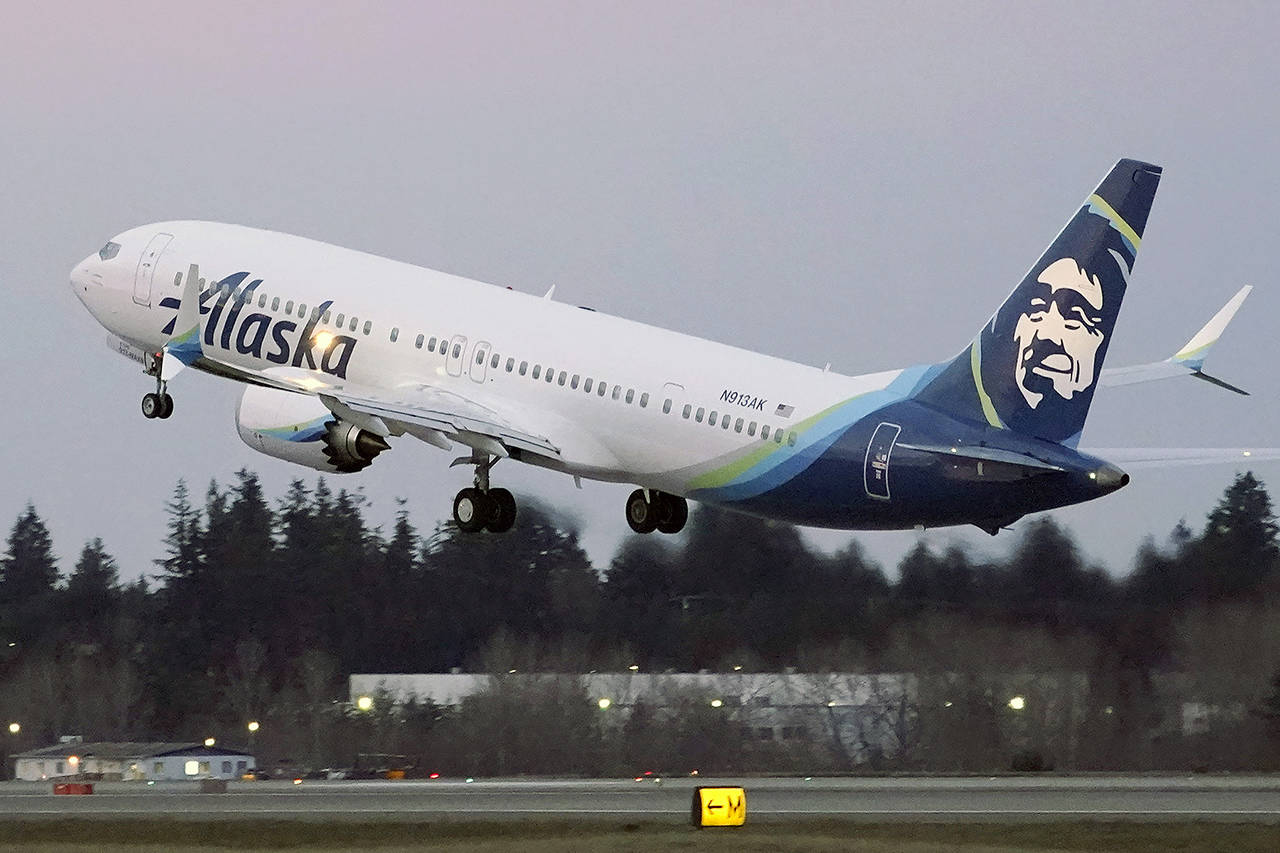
[482,508]
[159,404]
[648,511]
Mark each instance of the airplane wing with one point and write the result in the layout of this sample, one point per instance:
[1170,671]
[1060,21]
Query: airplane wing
[1188,361]
[1167,457]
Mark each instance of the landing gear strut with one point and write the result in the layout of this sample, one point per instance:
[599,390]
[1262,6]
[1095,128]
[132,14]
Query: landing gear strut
[482,508]
[158,404]
[648,511]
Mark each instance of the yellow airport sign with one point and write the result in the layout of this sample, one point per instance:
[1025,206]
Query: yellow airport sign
[719,807]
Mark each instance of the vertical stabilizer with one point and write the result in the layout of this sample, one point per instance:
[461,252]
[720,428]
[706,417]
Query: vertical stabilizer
[1034,366]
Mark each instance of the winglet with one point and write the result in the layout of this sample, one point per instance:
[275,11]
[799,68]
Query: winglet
[1190,359]
[184,345]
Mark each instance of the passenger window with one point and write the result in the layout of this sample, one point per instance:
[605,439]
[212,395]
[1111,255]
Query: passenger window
[644,400]
[275,304]
[725,423]
[302,311]
[418,342]
[341,317]
[524,365]
[325,319]
[537,368]
[751,428]
[457,350]
[551,375]
[687,409]
[764,432]
[712,419]
[262,301]
[631,395]
[563,376]
[666,407]
[604,387]
[354,323]
[431,344]
[586,386]
[573,383]
[497,358]
[480,354]
[617,391]
[368,326]
[791,439]
[698,416]
[395,333]
[288,307]
[737,425]
[511,365]
[777,437]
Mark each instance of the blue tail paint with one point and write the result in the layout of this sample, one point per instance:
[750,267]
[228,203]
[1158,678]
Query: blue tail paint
[1033,368]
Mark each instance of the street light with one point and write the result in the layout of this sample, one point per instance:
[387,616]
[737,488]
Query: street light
[716,703]
[209,742]
[604,703]
[14,728]
[365,703]
[1017,703]
[253,726]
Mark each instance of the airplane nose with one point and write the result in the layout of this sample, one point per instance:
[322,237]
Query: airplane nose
[84,274]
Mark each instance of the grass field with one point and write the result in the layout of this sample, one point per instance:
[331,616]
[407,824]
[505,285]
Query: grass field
[182,836]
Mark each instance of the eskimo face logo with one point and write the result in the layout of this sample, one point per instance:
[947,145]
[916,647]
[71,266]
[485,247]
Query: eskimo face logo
[1058,333]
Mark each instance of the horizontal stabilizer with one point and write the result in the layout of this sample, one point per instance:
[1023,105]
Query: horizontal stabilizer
[1188,361]
[984,454]
[1171,457]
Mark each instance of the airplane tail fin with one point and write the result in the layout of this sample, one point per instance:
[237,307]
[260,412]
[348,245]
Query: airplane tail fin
[1034,366]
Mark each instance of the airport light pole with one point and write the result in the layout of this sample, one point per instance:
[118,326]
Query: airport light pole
[14,729]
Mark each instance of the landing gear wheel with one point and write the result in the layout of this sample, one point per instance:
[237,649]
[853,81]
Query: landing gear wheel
[166,407]
[471,510]
[672,512]
[152,405]
[502,511]
[640,513]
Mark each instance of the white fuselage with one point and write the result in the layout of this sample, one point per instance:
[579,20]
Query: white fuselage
[651,427]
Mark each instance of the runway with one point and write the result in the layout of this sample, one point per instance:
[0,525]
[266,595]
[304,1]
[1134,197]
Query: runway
[1252,799]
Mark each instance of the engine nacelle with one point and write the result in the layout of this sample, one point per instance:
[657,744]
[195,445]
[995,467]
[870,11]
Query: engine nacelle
[299,428]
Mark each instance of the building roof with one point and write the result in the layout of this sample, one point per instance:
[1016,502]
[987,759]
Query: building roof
[116,751]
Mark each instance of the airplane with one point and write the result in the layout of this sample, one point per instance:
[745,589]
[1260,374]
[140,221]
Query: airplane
[343,352]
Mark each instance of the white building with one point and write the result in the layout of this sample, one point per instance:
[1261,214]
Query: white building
[132,761]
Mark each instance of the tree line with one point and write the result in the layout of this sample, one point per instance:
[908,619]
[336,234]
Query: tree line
[259,609]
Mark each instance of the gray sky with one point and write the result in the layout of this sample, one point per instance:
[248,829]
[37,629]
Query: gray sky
[844,182]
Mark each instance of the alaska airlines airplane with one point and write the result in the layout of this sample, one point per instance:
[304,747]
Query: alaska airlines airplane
[342,352]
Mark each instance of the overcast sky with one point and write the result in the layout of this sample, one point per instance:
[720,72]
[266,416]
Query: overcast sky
[848,182]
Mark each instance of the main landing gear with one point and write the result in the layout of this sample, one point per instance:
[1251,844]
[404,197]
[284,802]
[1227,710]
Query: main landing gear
[482,508]
[648,511]
[159,404]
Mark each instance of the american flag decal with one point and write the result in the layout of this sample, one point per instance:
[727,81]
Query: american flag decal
[784,411]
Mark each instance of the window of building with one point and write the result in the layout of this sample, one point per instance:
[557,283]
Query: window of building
[644,400]
[586,386]
[191,768]
[204,767]
[288,307]
[242,767]
[157,769]
[418,343]
[737,425]
[368,326]
[712,419]
[698,416]
[666,407]
[687,409]
[395,333]
[226,768]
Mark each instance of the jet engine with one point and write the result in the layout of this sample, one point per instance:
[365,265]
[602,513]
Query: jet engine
[299,428]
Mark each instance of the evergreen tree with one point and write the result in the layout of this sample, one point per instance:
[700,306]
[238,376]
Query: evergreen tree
[28,575]
[1238,549]
[91,601]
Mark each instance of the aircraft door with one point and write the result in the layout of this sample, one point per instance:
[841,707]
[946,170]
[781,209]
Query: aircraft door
[457,355]
[147,268]
[480,361]
[875,470]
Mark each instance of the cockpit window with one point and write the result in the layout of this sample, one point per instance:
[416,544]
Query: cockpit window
[109,251]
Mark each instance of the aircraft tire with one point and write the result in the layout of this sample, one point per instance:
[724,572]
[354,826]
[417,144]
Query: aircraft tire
[166,407]
[152,406]
[673,512]
[471,510]
[641,514]
[502,513]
